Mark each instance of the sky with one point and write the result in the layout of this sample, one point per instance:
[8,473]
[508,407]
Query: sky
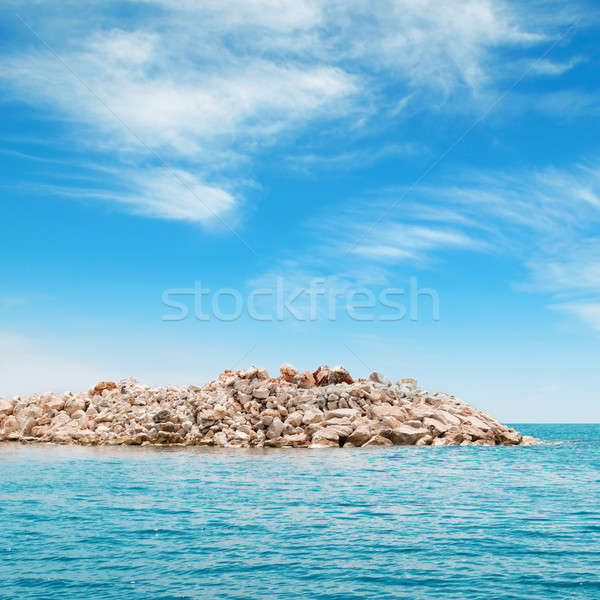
[404,186]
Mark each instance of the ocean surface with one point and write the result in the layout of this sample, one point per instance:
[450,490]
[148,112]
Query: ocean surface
[403,522]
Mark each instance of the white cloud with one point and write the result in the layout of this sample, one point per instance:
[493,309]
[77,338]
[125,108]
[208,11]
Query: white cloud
[556,68]
[353,159]
[169,106]
[573,269]
[176,195]
[398,242]
[209,84]
[547,220]
[160,192]
[589,313]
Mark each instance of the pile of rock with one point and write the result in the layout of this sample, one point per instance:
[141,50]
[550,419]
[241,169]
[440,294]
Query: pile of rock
[247,408]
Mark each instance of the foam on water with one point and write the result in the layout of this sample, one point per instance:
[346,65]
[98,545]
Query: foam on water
[394,522]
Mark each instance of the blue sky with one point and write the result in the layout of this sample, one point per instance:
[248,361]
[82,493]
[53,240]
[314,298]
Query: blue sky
[149,145]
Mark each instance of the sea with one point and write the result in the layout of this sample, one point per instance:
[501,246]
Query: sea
[329,524]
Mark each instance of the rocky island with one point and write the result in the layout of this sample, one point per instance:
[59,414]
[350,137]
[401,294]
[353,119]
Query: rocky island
[247,408]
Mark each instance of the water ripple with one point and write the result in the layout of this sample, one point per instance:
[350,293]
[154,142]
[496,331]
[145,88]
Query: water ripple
[415,523]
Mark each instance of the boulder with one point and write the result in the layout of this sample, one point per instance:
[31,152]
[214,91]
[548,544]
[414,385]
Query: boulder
[6,407]
[312,415]
[528,440]
[275,428]
[377,440]
[509,438]
[434,425]
[288,372]
[305,380]
[406,435]
[340,375]
[294,419]
[329,434]
[342,413]
[321,375]
[376,377]
[361,435]
[10,425]
[424,441]
[103,385]
[387,410]
[52,402]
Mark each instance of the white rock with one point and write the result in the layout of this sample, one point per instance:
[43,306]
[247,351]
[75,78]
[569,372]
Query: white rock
[406,435]
[312,415]
[275,428]
[342,413]
[261,392]
[6,407]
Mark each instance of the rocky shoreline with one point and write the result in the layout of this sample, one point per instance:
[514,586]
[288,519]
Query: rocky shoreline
[247,408]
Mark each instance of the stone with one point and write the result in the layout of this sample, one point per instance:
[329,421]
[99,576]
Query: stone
[387,410]
[10,425]
[447,418]
[376,377]
[342,413]
[220,439]
[263,373]
[340,375]
[288,372]
[321,376]
[160,417]
[275,428]
[103,385]
[406,435]
[510,437]
[377,440]
[424,441]
[241,436]
[361,435]
[454,438]
[6,407]
[295,419]
[324,443]
[305,380]
[73,405]
[261,392]
[52,402]
[251,373]
[312,415]
[435,425]
[298,440]
[528,440]
[329,434]
[475,422]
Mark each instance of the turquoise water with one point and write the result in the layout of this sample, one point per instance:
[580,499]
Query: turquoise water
[329,524]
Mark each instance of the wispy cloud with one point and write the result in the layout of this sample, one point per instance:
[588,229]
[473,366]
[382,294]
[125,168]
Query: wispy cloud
[546,219]
[552,67]
[589,313]
[209,85]
[354,159]
[176,195]
[399,242]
